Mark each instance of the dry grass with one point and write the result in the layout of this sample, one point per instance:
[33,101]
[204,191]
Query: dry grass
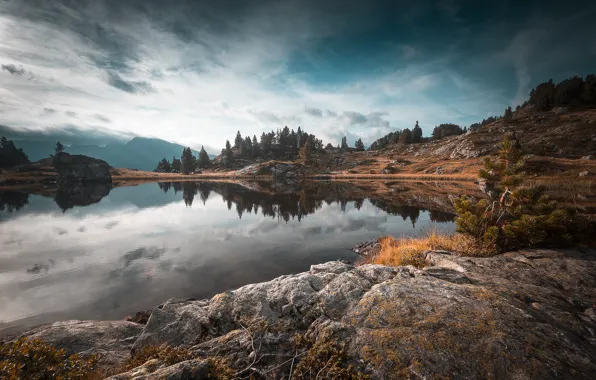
[411,251]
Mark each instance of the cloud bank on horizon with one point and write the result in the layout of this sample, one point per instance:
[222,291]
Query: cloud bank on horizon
[195,72]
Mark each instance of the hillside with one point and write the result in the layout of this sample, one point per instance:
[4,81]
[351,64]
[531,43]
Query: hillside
[560,143]
[139,153]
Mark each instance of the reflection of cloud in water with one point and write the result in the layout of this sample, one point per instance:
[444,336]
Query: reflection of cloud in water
[148,255]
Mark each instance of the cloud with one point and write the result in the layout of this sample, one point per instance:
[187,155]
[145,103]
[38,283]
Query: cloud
[67,134]
[354,117]
[49,111]
[70,114]
[132,87]
[102,118]
[13,69]
[313,111]
[206,69]
[408,51]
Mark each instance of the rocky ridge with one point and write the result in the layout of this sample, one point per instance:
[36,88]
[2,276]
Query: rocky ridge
[519,315]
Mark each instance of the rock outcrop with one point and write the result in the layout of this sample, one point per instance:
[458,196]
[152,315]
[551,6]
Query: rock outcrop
[520,315]
[81,169]
[111,341]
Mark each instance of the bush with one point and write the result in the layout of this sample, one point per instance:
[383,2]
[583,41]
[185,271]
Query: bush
[34,359]
[513,216]
[324,359]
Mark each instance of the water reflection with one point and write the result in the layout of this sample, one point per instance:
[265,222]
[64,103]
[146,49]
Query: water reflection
[13,201]
[101,253]
[295,204]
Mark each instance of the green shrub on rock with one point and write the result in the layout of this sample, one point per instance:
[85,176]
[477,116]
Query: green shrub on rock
[513,216]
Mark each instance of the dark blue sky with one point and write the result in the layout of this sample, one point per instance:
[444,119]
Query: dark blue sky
[194,72]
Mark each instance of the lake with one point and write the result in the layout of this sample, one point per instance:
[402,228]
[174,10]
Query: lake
[104,253]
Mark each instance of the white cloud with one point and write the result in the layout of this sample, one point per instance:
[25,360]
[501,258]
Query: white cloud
[199,91]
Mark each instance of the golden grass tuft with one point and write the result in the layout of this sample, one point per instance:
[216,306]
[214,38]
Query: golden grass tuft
[411,251]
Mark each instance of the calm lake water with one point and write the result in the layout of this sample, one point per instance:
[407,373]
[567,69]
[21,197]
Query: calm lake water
[101,253]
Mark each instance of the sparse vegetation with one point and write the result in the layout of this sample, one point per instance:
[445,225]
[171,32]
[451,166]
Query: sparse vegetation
[411,251]
[33,359]
[323,359]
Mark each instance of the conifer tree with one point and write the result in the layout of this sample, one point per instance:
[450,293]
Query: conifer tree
[256,149]
[359,144]
[187,161]
[513,216]
[204,161]
[59,147]
[417,133]
[406,136]
[238,141]
[344,142]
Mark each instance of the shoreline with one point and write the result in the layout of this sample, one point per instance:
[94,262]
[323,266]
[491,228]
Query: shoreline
[499,298]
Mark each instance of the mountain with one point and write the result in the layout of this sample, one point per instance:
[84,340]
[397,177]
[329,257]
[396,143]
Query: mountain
[139,153]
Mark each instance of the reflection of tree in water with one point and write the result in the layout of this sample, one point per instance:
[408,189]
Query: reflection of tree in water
[406,212]
[440,216]
[289,205]
[13,201]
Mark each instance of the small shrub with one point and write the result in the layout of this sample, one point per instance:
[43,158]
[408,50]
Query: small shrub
[325,359]
[513,216]
[164,353]
[34,359]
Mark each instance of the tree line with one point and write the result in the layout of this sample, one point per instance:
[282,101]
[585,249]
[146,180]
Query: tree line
[187,163]
[10,155]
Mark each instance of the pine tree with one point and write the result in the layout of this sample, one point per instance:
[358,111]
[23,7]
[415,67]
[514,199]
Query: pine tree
[59,148]
[359,144]
[238,141]
[256,149]
[247,147]
[508,115]
[187,161]
[344,143]
[176,165]
[228,154]
[514,216]
[406,136]
[417,133]
[163,166]
[204,161]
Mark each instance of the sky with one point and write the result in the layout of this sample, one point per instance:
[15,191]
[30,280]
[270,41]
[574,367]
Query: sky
[195,72]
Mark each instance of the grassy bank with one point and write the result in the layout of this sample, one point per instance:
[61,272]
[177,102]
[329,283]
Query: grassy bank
[411,251]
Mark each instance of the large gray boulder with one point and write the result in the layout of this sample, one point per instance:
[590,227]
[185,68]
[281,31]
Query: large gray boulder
[81,169]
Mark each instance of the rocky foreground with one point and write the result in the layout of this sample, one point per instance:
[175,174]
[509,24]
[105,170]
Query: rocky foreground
[521,315]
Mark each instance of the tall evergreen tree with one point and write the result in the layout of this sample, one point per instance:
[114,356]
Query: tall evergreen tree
[187,161]
[256,149]
[59,147]
[176,165]
[228,154]
[417,133]
[508,115]
[204,161]
[359,144]
[247,147]
[238,141]
[344,142]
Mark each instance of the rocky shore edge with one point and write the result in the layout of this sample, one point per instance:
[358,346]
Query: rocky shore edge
[518,315]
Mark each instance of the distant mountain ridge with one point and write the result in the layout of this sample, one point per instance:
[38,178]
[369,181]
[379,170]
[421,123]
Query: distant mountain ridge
[140,153]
